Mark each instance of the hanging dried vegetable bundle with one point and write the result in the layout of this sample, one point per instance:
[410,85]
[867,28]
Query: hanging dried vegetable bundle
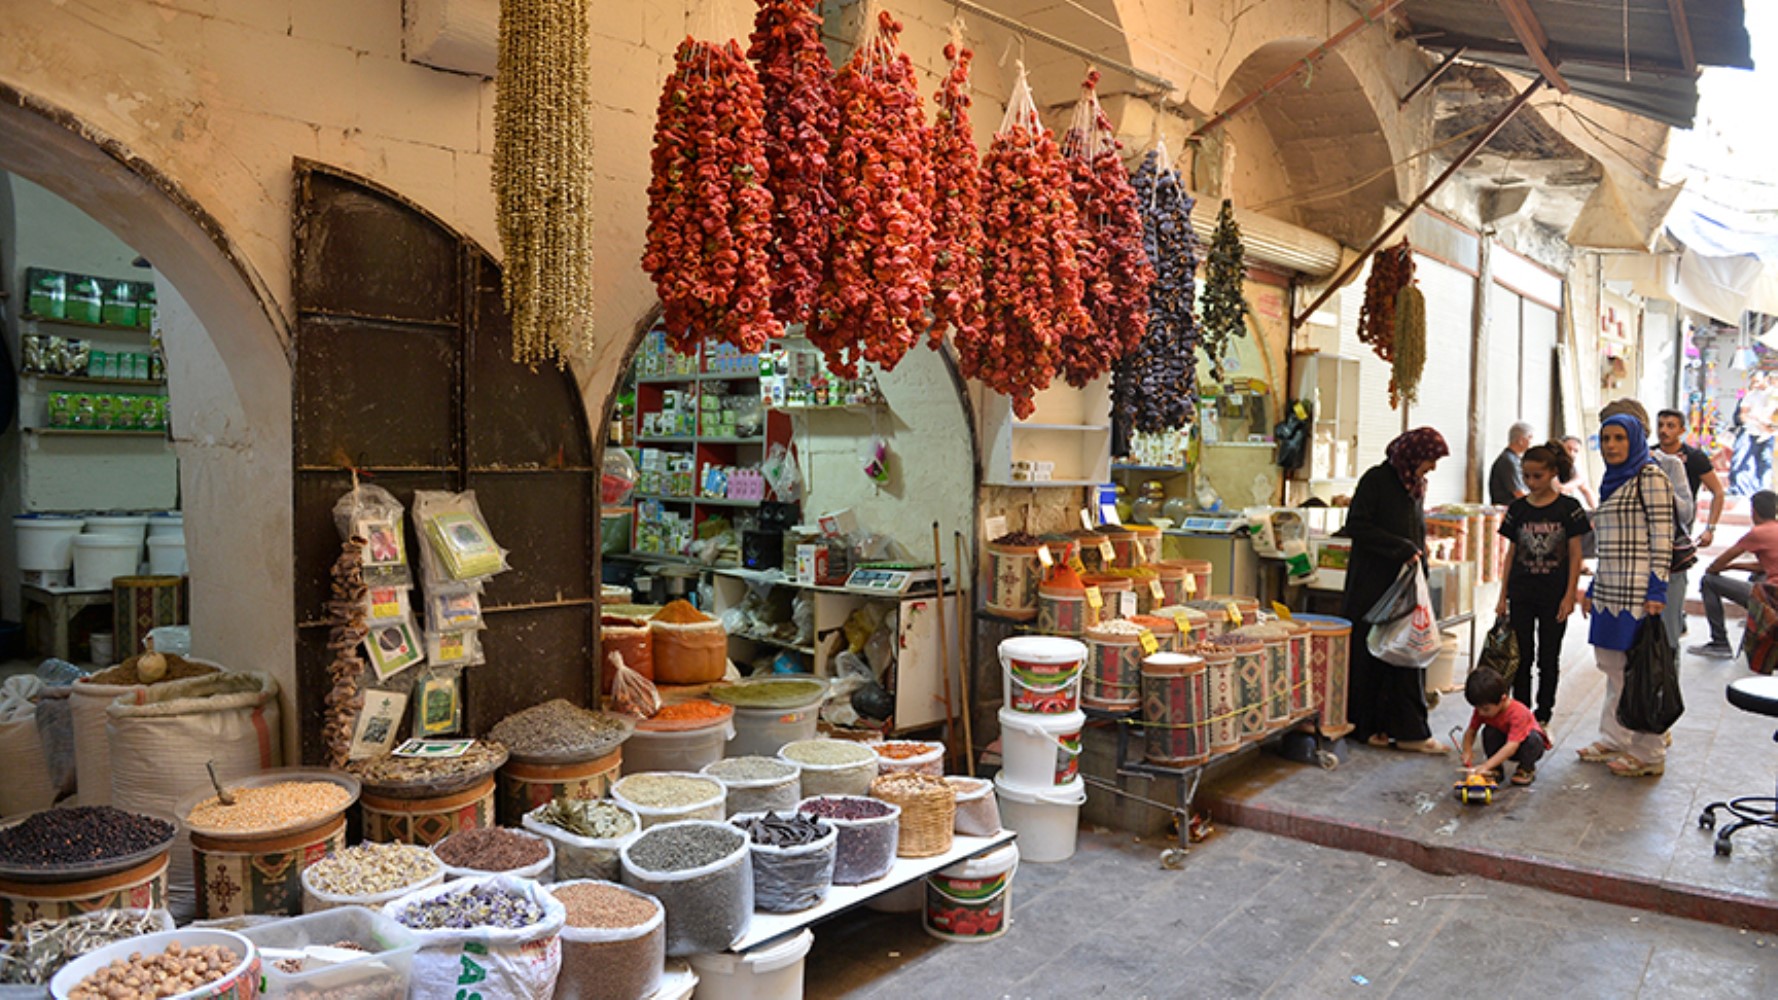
[956,209]
[1030,273]
[1392,272]
[1155,387]
[543,177]
[709,211]
[873,300]
[346,608]
[800,117]
[1225,305]
[1114,270]
[1410,346]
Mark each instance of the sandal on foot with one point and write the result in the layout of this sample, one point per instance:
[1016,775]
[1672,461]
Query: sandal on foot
[1524,776]
[1379,741]
[1598,753]
[1430,746]
[1626,766]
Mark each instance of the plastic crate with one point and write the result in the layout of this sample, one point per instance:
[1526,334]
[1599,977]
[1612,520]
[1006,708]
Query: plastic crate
[384,972]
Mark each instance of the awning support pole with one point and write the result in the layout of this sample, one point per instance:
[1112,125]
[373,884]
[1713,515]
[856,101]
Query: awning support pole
[1284,76]
[1432,77]
[1469,152]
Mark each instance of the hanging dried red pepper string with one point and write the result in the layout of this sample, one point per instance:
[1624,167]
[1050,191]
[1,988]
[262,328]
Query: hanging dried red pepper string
[1030,272]
[1114,271]
[872,303]
[957,207]
[800,118]
[709,211]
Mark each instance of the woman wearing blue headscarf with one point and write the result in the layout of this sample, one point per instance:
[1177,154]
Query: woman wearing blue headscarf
[1634,526]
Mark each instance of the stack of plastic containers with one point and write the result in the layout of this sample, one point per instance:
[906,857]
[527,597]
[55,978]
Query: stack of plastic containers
[1039,787]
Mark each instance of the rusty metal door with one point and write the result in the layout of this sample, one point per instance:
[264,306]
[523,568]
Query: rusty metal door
[404,373]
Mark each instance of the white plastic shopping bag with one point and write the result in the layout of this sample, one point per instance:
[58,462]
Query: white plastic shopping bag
[1405,634]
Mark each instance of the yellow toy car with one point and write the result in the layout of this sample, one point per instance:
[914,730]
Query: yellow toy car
[1475,789]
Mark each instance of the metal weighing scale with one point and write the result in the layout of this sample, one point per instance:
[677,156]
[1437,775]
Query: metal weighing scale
[1212,524]
[892,578]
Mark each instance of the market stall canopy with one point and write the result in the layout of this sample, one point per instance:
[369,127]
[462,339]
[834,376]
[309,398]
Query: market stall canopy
[1638,55]
[1726,266]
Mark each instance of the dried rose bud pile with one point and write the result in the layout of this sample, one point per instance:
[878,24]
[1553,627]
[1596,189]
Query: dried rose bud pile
[709,210]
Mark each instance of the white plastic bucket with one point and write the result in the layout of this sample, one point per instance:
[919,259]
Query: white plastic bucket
[770,973]
[98,559]
[166,555]
[762,732]
[46,544]
[121,525]
[1041,673]
[102,648]
[1047,820]
[675,749]
[1040,751]
[171,522]
[972,900]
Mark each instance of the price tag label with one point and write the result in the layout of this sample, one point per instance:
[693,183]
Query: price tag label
[1184,623]
[1191,584]
[1150,645]
[1086,519]
[1140,551]
[1108,552]
[1076,565]
[1234,613]
[1043,556]
[1281,611]
[1126,603]
[996,526]
[1155,588]
[1302,412]
[1095,600]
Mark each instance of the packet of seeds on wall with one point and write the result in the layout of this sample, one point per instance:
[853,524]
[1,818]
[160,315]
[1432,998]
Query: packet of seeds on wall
[387,604]
[438,703]
[378,724]
[460,649]
[457,536]
[452,609]
[393,648]
[373,514]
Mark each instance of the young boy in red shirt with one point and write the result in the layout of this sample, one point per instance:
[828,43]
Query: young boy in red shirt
[1509,731]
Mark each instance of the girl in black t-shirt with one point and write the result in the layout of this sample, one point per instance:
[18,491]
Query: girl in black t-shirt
[1545,529]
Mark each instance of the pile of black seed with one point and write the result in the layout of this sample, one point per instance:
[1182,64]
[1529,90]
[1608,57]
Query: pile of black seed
[58,837]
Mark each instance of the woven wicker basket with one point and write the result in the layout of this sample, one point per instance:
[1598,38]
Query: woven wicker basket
[928,811]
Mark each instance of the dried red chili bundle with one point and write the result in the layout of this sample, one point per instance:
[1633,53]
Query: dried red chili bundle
[1114,270]
[800,119]
[709,211]
[1030,273]
[1392,269]
[956,209]
[872,303]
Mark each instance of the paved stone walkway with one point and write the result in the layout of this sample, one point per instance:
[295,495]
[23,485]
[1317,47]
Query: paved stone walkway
[1256,915]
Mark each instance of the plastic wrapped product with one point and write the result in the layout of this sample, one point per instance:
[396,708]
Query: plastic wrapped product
[699,870]
[870,832]
[978,811]
[614,943]
[793,859]
[499,932]
[758,784]
[582,857]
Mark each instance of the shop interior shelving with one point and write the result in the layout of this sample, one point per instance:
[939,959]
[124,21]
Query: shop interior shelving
[117,328]
[1070,428]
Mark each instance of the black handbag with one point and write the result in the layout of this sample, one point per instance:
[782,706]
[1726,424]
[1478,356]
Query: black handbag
[1685,550]
[1651,701]
[1500,650]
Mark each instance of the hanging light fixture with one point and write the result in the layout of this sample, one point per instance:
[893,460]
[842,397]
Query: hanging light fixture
[543,177]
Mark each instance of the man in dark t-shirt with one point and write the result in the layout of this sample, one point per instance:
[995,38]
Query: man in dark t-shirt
[1699,472]
[1506,481]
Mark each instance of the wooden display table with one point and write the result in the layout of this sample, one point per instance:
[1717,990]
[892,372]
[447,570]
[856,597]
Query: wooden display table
[61,604]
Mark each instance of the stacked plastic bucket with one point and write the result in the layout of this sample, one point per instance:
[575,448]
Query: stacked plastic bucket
[1039,784]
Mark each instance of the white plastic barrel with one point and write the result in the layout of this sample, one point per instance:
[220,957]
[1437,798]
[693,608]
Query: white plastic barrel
[1047,820]
[46,544]
[122,525]
[100,558]
[774,972]
[1039,751]
[166,555]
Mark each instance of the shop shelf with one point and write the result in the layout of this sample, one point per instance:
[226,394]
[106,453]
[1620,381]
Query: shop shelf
[844,408]
[141,383]
[663,498]
[1131,467]
[717,439]
[808,650]
[83,324]
[1061,427]
[666,440]
[725,502]
[95,432]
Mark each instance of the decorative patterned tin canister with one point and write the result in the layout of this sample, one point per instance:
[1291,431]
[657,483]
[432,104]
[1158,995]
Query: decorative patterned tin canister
[141,604]
[1146,544]
[1014,574]
[1113,678]
[1176,709]
[1330,651]
[142,887]
[1277,660]
[1250,683]
[260,877]
[1061,611]
[1225,706]
[426,821]
[524,787]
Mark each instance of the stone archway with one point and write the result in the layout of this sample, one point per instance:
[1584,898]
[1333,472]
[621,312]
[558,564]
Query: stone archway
[231,424]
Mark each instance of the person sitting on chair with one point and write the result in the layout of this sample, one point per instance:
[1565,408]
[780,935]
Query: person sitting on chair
[1760,542]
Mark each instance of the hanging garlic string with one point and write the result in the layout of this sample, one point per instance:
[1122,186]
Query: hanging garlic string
[543,178]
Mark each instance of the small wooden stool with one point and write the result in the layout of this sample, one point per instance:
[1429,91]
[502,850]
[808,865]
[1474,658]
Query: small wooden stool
[60,604]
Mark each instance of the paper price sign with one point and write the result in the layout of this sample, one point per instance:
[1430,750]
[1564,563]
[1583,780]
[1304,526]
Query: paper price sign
[1150,645]
[1184,623]
[1043,556]
[1076,565]
[1126,603]
[1095,600]
[1281,611]
[1191,583]
[1140,551]
[1086,519]
[995,526]
[1155,588]
[1108,552]
[1234,613]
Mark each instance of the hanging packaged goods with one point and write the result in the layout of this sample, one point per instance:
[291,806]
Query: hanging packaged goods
[1030,271]
[1114,269]
[709,211]
[872,304]
[1155,387]
[1393,320]
[957,208]
[1225,307]
[800,116]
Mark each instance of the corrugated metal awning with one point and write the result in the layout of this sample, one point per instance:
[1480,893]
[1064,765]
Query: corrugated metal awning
[1586,40]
